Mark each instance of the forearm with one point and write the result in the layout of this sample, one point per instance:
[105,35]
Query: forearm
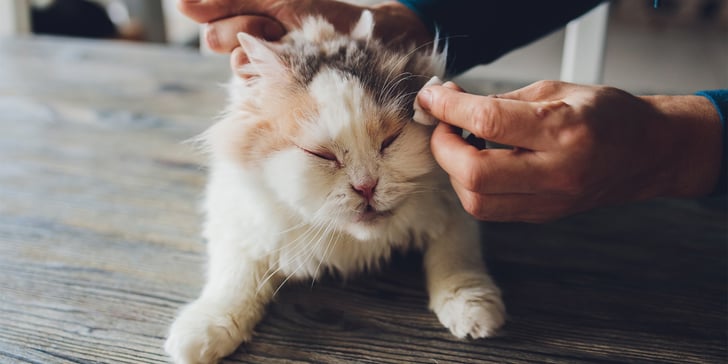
[719,99]
[690,134]
[479,32]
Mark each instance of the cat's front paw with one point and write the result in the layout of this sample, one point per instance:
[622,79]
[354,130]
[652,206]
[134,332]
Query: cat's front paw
[475,311]
[203,334]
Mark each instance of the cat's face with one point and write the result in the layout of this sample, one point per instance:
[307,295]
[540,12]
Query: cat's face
[334,142]
[353,162]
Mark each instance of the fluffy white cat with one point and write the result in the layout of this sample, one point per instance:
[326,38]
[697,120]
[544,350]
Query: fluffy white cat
[316,166]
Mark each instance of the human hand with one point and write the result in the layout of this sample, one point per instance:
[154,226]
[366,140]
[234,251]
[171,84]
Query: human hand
[394,22]
[577,148]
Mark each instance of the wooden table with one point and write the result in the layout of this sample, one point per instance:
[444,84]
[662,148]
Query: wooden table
[99,241]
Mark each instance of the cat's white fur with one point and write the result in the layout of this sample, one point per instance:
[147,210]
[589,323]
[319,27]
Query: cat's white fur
[289,214]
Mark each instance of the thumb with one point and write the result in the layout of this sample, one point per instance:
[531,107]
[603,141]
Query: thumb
[510,122]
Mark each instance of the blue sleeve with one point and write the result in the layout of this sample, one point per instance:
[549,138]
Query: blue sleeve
[480,31]
[719,98]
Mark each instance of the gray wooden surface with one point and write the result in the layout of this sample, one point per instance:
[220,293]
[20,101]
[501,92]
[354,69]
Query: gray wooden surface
[99,241]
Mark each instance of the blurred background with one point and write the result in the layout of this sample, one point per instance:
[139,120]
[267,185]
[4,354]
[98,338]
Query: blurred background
[680,47]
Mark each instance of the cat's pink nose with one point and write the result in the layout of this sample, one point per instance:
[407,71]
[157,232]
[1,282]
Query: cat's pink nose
[365,189]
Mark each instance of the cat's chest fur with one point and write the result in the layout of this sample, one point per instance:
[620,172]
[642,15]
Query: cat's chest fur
[311,251]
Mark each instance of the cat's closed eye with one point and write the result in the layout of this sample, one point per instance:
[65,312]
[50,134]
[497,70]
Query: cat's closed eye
[387,142]
[323,154]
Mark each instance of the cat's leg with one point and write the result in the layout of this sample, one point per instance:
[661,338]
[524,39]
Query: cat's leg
[462,294]
[231,304]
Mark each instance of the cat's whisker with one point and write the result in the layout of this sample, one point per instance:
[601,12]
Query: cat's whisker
[301,249]
[294,227]
[405,98]
[336,240]
[318,227]
[315,219]
[393,83]
[297,250]
[390,84]
[389,92]
[303,261]
[331,238]
[435,55]
[425,190]
[407,57]
[404,101]
[328,232]
[435,45]
[413,193]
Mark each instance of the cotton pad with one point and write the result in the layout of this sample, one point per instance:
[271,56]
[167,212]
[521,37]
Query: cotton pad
[421,116]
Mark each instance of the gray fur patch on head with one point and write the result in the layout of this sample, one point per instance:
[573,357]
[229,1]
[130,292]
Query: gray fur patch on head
[391,77]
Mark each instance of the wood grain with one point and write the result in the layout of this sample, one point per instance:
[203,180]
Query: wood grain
[99,242]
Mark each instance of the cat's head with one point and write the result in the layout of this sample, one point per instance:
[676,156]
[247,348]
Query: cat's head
[325,119]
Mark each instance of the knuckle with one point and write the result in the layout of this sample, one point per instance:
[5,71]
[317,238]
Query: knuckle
[570,184]
[183,6]
[545,110]
[601,92]
[443,105]
[472,203]
[193,10]
[472,178]
[579,136]
[545,87]
[485,121]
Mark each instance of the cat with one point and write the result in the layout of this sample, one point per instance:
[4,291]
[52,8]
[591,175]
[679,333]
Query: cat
[316,166]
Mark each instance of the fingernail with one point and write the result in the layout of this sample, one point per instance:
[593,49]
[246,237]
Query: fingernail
[424,98]
[273,31]
[452,86]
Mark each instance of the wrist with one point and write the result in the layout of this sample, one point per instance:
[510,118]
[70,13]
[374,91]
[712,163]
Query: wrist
[689,130]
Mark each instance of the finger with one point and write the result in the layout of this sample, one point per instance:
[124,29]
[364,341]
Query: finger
[503,121]
[540,91]
[470,138]
[205,11]
[533,208]
[221,35]
[450,149]
[486,171]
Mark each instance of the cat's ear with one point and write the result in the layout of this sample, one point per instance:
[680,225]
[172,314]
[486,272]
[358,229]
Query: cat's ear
[364,28]
[260,59]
